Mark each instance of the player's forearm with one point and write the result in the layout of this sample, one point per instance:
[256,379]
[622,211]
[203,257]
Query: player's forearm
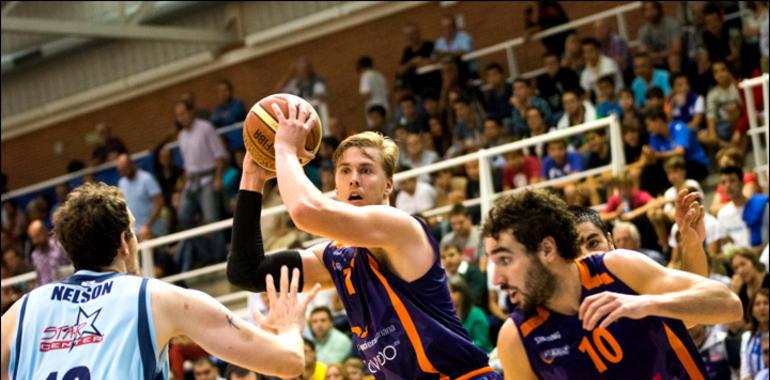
[693,258]
[298,193]
[706,302]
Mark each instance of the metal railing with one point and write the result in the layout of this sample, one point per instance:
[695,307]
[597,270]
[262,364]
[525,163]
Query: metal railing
[755,130]
[509,45]
[486,199]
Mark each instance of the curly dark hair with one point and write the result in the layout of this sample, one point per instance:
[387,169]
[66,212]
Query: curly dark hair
[90,223]
[533,215]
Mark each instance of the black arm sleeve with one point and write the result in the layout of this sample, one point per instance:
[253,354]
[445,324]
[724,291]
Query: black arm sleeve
[247,264]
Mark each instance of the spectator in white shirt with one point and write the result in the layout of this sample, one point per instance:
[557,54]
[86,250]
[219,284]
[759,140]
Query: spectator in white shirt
[597,66]
[415,196]
[417,156]
[732,217]
[373,87]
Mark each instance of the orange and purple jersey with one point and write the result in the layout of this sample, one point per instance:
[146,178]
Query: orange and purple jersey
[652,348]
[403,330]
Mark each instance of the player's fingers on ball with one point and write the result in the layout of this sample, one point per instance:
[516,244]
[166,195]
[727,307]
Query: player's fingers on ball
[306,155]
[278,113]
[310,122]
[292,105]
[303,112]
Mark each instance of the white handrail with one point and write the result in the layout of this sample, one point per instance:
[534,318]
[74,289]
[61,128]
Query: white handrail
[90,170]
[146,246]
[514,42]
[754,132]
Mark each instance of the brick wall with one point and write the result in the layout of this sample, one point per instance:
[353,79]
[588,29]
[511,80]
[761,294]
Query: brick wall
[142,121]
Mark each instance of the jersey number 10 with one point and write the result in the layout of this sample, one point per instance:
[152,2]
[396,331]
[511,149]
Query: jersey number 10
[613,354]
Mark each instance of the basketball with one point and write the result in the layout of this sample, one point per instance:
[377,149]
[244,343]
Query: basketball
[261,124]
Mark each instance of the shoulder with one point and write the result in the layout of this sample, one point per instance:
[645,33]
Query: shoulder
[512,353]
[623,262]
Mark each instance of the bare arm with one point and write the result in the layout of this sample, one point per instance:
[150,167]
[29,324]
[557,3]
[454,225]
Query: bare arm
[689,214]
[220,332]
[513,356]
[662,292]
[6,335]
[409,254]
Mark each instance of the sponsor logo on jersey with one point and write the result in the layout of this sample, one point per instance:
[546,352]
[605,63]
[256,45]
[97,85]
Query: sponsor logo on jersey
[67,336]
[548,338]
[382,357]
[548,356]
[373,341]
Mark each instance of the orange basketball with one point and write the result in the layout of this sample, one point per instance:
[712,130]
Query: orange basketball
[261,124]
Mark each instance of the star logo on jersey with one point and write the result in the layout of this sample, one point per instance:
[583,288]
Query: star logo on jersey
[86,321]
[82,332]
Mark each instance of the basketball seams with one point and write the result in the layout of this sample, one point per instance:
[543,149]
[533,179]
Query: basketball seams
[260,118]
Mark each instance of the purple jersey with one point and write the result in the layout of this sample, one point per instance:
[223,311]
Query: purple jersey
[650,348]
[404,330]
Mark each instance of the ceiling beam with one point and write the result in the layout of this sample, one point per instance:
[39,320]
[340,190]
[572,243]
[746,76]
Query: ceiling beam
[75,28]
[9,7]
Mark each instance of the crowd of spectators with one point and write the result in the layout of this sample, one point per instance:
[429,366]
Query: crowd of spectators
[683,125]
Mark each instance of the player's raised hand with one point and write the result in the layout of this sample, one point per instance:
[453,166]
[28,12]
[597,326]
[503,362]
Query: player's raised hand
[294,128]
[612,306]
[254,176]
[689,216]
[286,310]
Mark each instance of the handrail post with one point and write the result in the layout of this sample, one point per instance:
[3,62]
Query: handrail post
[513,68]
[622,28]
[616,146]
[486,188]
[148,263]
[756,142]
[766,112]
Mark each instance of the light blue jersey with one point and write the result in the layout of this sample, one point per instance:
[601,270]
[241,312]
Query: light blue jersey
[89,326]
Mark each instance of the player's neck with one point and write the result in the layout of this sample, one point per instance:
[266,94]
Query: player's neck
[566,298]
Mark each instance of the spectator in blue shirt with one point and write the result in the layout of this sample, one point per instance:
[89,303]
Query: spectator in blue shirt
[675,139]
[143,197]
[608,100]
[230,110]
[647,77]
[560,162]
[685,105]
[453,42]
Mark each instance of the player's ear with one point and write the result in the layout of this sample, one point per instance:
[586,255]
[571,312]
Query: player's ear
[389,186]
[125,237]
[611,241]
[548,249]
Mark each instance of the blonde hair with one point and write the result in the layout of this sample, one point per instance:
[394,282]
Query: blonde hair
[340,367]
[387,148]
